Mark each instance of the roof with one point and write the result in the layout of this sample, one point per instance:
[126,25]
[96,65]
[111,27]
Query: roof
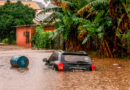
[51,5]
[41,17]
[42,6]
[31,4]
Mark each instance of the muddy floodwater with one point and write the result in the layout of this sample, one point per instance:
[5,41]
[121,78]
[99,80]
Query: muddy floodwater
[110,74]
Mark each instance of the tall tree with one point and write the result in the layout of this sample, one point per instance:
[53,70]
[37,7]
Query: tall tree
[14,14]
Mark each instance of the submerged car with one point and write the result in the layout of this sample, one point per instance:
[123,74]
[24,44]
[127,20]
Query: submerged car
[69,61]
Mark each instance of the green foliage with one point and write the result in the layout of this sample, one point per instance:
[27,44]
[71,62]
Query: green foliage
[123,36]
[41,38]
[125,39]
[95,24]
[5,40]
[58,9]
[98,4]
[66,21]
[75,5]
[95,52]
[14,15]
[14,42]
[67,18]
[57,32]
[95,6]
[99,17]
[128,2]
[98,25]
[126,6]
[126,35]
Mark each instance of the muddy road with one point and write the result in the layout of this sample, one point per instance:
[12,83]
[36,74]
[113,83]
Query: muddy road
[110,74]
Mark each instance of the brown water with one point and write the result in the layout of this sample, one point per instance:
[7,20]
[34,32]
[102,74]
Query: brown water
[38,77]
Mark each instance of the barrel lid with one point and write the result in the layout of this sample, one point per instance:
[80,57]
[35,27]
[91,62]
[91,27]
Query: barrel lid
[23,62]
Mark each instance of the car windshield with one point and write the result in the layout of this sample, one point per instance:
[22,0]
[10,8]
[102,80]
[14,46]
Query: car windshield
[73,58]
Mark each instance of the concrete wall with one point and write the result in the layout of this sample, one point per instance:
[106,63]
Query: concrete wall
[21,38]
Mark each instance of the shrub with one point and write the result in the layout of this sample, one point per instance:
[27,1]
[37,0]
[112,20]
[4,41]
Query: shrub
[14,42]
[41,38]
[5,40]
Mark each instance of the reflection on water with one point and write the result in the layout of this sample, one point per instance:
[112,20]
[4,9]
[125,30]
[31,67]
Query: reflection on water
[21,70]
[110,74]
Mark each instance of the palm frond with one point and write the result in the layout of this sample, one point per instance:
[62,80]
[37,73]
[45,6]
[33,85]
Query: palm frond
[59,15]
[99,17]
[97,2]
[66,2]
[87,37]
[52,20]
[57,32]
[49,17]
[53,17]
[89,5]
[128,5]
[58,9]
[81,20]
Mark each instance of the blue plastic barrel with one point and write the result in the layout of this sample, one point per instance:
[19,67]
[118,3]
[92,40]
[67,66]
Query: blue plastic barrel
[19,61]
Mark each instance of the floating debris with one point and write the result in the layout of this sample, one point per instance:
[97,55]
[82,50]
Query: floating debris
[115,64]
[19,61]
[118,67]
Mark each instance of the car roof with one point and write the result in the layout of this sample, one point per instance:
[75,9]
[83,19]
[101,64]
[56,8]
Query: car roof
[72,53]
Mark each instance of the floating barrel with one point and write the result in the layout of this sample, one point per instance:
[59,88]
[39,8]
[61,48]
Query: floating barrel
[19,61]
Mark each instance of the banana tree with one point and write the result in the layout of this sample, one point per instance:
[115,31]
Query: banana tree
[97,12]
[98,9]
[97,27]
[93,7]
[64,18]
[67,23]
[120,14]
[126,5]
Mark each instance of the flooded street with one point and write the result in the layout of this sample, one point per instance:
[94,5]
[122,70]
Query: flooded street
[110,74]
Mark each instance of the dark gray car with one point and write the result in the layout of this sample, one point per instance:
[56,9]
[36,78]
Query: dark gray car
[70,61]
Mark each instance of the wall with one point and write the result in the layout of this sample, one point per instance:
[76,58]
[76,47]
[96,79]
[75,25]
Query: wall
[36,12]
[20,38]
[49,29]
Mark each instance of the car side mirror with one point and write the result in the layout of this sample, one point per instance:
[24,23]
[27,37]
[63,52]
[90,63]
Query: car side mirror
[44,60]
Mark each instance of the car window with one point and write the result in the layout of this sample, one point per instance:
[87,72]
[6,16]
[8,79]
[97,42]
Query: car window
[73,58]
[53,57]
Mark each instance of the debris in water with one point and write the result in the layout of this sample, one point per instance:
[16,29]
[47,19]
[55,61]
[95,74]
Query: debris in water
[19,61]
[115,64]
[118,67]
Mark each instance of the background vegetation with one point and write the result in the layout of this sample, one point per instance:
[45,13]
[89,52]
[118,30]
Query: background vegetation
[14,14]
[41,38]
[93,25]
